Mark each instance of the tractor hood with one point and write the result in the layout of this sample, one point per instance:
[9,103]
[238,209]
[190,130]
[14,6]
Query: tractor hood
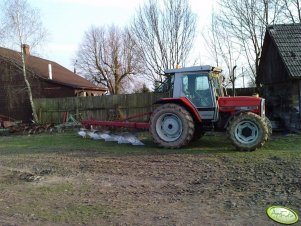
[241,103]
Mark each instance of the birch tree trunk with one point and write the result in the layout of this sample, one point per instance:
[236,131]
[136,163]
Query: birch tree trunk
[22,25]
[29,91]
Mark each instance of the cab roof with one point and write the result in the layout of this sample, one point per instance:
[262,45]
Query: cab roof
[189,69]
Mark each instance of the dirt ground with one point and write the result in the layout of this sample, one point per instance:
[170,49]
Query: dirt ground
[92,188]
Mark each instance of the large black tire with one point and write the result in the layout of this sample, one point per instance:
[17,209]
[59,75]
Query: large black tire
[171,126]
[248,131]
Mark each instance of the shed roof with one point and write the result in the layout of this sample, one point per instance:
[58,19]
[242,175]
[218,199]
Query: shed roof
[287,38]
[60,74]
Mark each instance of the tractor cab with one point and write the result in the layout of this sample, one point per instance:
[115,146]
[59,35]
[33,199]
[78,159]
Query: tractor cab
[201,85]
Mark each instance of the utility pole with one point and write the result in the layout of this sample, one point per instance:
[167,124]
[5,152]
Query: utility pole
[233,80]
[243,77]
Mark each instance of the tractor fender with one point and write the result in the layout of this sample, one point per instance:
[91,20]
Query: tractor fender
[184,102]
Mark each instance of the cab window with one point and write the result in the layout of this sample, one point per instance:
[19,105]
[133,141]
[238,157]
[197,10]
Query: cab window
[196,87]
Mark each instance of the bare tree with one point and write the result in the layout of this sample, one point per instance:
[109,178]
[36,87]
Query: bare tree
[2,31]
[223,48]
[165,34]
[245,21]
[22,25]
[108,57]
[292,10]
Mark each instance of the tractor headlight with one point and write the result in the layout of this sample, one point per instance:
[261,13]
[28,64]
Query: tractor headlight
[262,108]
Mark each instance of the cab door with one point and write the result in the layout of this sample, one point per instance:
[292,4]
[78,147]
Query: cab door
[197,88]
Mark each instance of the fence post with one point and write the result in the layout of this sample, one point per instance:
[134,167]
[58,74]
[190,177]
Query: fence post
[76,106]
[40,115]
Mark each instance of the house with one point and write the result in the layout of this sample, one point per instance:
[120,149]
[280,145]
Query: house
[280,74]
[47,79]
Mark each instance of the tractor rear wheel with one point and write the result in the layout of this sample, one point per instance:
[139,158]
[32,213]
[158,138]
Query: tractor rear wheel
[171,126]
[248,131]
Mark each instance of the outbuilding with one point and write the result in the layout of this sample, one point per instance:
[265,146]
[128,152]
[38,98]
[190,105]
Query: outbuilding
[47,80]
[280,74]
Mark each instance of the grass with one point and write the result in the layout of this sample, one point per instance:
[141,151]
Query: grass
[285,147]
[73,213]
[71,142]
[56,210]
[58,188]
[34,153]
[59,205]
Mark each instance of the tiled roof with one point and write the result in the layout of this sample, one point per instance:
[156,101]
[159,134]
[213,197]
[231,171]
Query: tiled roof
[60,74]
[287,38]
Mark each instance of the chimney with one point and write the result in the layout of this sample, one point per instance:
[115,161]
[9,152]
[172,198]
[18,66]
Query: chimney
[25,49]
[50,71]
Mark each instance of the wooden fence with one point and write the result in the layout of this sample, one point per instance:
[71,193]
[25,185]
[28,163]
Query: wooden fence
[110,107]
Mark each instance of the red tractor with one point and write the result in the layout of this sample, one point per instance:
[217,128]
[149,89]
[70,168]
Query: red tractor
[197,104]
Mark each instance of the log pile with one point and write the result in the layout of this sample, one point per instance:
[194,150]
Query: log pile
[9,125]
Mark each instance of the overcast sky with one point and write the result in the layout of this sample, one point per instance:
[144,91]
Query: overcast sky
[67,20]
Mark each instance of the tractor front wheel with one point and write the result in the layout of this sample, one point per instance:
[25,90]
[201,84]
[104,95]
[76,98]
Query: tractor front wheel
[248,131]
[171,126]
